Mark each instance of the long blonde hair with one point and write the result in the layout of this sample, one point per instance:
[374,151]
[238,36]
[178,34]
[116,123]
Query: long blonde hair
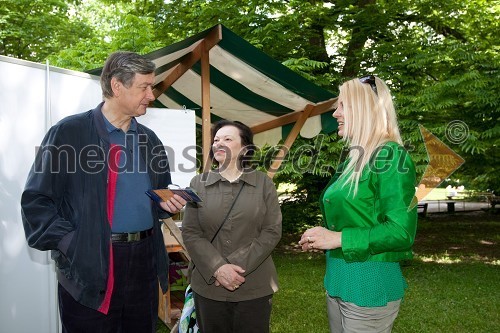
[369,122]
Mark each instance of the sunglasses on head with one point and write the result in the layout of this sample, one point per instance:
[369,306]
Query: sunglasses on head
[370,79]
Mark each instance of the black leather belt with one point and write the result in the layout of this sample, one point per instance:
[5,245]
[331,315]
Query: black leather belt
[131,236]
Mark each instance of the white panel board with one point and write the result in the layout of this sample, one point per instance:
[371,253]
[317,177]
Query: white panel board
[28,301]
[27,278]
[177,131]
[71,93]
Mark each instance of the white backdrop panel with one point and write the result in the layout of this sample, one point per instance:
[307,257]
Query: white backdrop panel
[28,300]
[177,131]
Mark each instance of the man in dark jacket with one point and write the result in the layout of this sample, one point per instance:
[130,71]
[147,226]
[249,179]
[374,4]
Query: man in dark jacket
[85,201]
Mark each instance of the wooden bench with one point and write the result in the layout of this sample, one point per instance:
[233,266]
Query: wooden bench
[422,209]
[493,200]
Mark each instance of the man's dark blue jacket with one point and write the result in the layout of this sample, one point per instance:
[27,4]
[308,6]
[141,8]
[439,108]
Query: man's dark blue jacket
[64,202]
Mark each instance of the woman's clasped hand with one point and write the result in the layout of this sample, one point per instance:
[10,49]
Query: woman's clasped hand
[229,276]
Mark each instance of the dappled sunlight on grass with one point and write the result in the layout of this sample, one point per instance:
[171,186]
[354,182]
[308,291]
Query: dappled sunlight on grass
[458,238]
[439,259]
[446,258]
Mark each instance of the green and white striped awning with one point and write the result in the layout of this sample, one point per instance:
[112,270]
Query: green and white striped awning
[219,75]
[245,84]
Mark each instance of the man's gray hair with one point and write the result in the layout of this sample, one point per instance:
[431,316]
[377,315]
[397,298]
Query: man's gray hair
[123,66]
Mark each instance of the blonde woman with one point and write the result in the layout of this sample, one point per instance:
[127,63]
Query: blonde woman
[369,221]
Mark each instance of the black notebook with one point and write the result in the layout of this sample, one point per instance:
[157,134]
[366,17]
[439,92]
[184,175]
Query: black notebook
[164,194]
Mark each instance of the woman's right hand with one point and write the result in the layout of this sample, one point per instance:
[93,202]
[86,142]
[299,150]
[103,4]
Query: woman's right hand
[229,276]
[319,238]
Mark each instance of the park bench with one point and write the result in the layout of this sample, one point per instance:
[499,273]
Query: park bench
[493,200]
[422,208]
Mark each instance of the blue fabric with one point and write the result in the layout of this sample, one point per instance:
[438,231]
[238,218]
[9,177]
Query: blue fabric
[132,210]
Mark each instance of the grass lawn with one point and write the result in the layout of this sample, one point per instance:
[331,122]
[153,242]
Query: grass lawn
[454,280]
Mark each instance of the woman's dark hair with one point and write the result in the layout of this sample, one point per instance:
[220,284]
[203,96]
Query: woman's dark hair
[246,136]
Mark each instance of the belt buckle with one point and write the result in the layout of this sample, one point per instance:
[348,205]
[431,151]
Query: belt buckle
[133,237]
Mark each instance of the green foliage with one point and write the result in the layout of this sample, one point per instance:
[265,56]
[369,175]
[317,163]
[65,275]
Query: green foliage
[440,58]
[34,29]
[309,166]
[300,210]
[310,69]
[443,67]
[317,156]
[117,26]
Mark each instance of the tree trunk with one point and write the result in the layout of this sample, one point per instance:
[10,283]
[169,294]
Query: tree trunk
[359,37]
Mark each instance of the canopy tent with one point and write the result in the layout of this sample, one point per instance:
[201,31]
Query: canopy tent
[221,76]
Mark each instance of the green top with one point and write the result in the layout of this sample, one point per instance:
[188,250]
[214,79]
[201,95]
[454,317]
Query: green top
[369,283]
[378,229]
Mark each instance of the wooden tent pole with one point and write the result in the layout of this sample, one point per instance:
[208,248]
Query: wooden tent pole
[206,123]
[201,53]
[319,108]
[187,61]
[285,148]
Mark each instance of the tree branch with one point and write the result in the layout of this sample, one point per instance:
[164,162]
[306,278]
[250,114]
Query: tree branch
[435,24]
[356,44]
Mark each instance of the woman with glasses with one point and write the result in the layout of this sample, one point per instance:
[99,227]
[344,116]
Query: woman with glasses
[369,213]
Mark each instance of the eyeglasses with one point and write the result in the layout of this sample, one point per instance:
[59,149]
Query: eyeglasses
[370,79]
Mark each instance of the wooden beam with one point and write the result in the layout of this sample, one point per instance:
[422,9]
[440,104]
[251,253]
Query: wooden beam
[178,70]
[289,118]
[285,148]
[188,60]
[176,232]
[206,124]
[199,53]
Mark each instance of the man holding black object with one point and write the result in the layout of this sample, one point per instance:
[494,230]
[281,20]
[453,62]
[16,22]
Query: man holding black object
[165,194]
[84,200]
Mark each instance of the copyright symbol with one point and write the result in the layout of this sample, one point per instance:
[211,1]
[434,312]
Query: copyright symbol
[457,131]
